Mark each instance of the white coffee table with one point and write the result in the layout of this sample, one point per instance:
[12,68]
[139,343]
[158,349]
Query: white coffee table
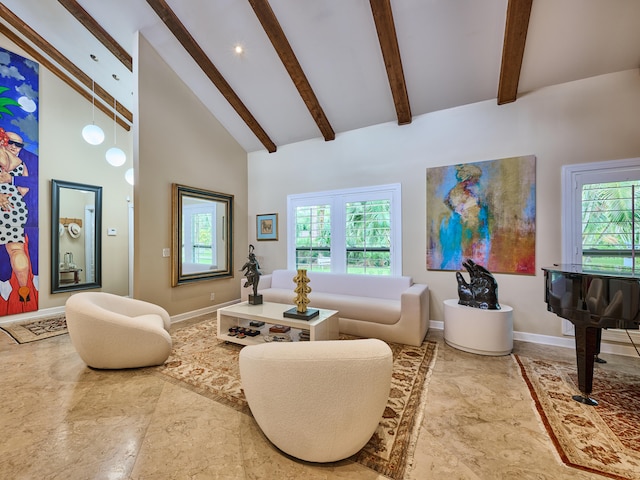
[322,327]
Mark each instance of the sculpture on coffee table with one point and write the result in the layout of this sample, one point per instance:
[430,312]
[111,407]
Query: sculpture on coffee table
[302,290]
[482,289]
[252,272]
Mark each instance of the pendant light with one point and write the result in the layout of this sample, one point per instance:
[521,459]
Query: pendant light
[128,176]
[114,155]
[92,133]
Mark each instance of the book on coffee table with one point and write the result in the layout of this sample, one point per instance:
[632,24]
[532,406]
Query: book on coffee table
[279,329]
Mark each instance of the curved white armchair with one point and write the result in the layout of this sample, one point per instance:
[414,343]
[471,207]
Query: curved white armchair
[317,401]
[109,331]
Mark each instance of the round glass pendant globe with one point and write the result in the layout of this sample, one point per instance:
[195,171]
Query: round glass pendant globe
[115,157]
[93,134]
[128,176]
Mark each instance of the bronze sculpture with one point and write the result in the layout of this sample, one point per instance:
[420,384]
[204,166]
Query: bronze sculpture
[252,272]
[482,289]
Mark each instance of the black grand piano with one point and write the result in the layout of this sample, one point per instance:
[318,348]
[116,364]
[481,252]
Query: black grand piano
[592,298]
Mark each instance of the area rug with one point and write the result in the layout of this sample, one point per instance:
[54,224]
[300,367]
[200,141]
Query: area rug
[31,330]
[208,366]
[604,439]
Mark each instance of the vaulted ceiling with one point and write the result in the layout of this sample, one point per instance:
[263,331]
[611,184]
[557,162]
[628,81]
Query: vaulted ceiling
[316,68]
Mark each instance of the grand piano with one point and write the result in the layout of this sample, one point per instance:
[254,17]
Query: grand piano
[592,298]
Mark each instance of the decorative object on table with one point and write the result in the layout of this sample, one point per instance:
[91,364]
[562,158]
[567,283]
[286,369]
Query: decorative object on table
[302,290]
[482,289]
[68,260]
[304,336]
[485,211]
[252,272]
[242,332]
[279,329]
[267,226]
[282,337]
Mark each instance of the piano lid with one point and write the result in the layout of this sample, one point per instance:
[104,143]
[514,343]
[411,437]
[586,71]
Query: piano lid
[600,297]
[601,271]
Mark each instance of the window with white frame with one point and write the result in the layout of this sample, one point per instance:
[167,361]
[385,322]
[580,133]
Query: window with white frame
[601,220]
[199,232]
[346,231]
[602,213]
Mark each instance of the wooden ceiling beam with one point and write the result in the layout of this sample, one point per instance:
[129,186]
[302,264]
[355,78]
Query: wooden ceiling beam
[43,48]
[176,27]
[75,9]
[515,37]
[274,31]
[383,18]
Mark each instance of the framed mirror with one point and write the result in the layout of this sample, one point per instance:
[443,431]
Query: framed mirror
[76,241]
[202,235]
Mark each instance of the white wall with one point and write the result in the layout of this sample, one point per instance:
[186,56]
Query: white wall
[591,120]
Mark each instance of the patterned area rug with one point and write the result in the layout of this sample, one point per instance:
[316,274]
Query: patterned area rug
[604,439]
[32,330]
[204,364]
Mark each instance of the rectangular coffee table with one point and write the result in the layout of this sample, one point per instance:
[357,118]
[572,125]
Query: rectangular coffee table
[322,327]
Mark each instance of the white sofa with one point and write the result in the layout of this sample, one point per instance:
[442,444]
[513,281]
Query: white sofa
[390,308]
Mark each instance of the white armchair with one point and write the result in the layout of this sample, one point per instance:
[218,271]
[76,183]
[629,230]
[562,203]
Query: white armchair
[109,331]
[317,401]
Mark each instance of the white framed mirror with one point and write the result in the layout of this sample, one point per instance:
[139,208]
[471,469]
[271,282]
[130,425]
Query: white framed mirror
[202,235]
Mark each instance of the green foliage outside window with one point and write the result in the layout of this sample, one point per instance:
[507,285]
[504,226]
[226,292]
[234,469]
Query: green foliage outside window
[610,223]
[368,237]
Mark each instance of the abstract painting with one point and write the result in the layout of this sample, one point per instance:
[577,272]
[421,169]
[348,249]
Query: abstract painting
[483,211]
[18,184]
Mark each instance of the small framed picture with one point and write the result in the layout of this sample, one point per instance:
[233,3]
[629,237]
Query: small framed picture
[267,226]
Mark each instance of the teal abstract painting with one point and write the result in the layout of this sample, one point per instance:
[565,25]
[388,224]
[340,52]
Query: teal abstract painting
[483,211]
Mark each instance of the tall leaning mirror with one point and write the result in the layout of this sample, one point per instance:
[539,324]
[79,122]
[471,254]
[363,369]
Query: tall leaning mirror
[202,240]
[76,224]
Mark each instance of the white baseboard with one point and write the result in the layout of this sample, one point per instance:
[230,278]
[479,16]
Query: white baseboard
[44,312]
[564,342]
[202,311]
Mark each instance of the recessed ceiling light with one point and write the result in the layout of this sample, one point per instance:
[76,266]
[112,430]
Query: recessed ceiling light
[238,49]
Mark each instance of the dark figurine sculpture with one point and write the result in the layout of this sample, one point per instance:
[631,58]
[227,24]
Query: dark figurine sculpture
[252,272]
[482,289]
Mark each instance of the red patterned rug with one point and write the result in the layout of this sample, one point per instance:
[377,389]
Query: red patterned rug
[208,366]
[604,439]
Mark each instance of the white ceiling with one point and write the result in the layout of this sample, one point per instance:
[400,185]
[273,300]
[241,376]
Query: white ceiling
[451,53]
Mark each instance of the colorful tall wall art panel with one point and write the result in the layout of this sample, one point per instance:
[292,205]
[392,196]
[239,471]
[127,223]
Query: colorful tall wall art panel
[484,211]
[18,184]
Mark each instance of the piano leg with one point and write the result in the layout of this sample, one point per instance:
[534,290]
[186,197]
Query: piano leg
[597,359]
[587,345]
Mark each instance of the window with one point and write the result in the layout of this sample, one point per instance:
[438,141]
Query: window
[199,234]
[346,231]
[601,220]
[602,213]
[610,233]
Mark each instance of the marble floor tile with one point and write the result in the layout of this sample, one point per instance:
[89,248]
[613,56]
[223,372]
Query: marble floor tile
[62,420]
